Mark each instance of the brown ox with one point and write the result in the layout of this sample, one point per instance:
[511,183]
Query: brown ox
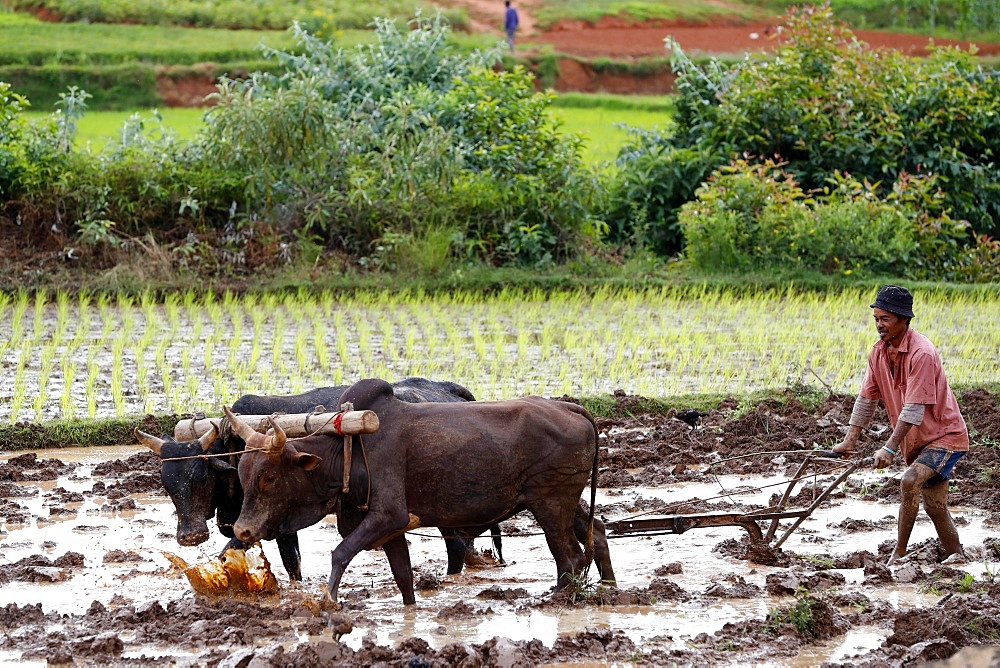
[462,466]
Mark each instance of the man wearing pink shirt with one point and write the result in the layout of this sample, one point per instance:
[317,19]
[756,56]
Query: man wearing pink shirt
[905,372]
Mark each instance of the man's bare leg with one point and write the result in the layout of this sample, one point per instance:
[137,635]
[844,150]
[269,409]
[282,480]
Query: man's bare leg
[936,505]
[910,486]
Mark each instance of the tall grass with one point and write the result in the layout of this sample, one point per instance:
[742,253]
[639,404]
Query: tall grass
[104,357]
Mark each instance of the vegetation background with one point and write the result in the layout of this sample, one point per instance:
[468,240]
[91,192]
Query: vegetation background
[406,151]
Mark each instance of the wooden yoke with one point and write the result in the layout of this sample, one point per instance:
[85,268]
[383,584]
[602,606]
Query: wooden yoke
[295,425]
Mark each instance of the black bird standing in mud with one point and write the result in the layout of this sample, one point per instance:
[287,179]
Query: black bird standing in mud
[690,416]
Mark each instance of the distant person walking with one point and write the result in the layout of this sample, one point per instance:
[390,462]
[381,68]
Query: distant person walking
[510,22]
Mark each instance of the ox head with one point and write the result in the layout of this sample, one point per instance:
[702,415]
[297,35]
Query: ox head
[273,475]
[194,484]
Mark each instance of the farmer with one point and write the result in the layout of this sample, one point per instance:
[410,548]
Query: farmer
[510,22]
[905,372]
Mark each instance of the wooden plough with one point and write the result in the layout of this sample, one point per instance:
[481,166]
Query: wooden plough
[751,521]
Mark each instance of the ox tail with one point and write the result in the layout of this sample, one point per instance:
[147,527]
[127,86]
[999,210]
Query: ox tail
[588,545]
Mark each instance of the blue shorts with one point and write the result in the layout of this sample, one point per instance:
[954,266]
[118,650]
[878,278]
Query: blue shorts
[942,461]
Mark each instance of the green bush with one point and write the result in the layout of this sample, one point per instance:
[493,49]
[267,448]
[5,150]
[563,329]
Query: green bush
[145,181]
[827,103]
[755,216]
[823,104]
[11,129]
[653,180]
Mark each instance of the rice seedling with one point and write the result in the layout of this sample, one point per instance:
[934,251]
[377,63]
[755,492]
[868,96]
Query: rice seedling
[93,369]
[277,346]
[319,343]
[118,388]
[163,368]
[67,407]
[301,351]
[655,342]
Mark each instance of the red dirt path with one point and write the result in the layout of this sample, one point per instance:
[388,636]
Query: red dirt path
[616,39]
[612,38]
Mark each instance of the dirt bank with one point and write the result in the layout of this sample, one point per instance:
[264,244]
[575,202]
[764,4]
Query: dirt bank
[615,39]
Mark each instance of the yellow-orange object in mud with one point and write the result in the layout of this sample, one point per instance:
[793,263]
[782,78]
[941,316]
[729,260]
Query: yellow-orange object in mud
[236,572]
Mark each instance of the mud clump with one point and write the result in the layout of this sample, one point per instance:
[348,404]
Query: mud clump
[29,468]
[496,593]
[39,568]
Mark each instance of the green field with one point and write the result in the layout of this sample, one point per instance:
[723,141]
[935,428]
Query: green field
[603,128]
[600,125]
[318,15]
[28,41]
[84,356]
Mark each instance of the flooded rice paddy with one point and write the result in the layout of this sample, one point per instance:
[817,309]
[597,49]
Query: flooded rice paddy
[102,358]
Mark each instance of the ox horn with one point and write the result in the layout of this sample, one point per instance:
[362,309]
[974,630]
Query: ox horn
[150,441]
[276,442]
[209,437]
[242,429]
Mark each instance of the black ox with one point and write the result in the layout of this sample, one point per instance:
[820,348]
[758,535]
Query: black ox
[459,466]
[205,487]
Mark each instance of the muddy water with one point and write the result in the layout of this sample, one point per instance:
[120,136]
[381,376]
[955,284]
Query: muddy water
[93,530]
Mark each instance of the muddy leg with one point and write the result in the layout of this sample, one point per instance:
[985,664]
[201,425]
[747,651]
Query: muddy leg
[497,542]
[398,553]
[288,549]
[556,521]
[602,556]
[936,505]
[913,479]
[457,547]
[374,528]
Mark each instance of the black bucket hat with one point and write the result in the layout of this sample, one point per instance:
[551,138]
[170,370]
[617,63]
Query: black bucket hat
[895,299]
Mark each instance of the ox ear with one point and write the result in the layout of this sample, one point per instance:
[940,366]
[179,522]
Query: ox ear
[306,461]
[219,464]
[149,440]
